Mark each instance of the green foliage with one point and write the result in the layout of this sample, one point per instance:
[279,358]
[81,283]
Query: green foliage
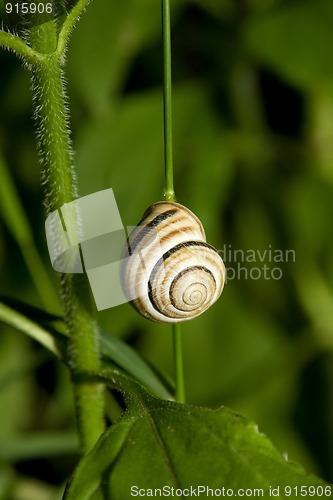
[127,359]
[191,446]
[161,443]
[50,331]
[302,32]
[253,158]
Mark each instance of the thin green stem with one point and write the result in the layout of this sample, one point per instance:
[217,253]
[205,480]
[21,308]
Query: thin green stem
[169,192]
[17,45]
[178,357]
[68,25]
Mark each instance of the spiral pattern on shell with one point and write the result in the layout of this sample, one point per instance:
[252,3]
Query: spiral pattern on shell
[169,272]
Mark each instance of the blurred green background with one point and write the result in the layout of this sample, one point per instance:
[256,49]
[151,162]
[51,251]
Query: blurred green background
[253,154]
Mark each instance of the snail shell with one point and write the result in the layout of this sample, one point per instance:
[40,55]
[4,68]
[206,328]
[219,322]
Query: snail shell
[169,272]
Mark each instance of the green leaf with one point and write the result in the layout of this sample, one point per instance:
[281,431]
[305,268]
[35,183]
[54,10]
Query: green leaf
[295,39]
[127,359]
[50,331]
[190,446]
[14,318]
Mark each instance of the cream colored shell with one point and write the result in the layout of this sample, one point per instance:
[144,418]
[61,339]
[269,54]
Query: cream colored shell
[169,272]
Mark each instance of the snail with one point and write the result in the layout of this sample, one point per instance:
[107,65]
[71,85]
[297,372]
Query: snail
[169,272]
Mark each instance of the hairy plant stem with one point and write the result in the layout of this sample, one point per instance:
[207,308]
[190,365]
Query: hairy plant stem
[169,192]
[59,182]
